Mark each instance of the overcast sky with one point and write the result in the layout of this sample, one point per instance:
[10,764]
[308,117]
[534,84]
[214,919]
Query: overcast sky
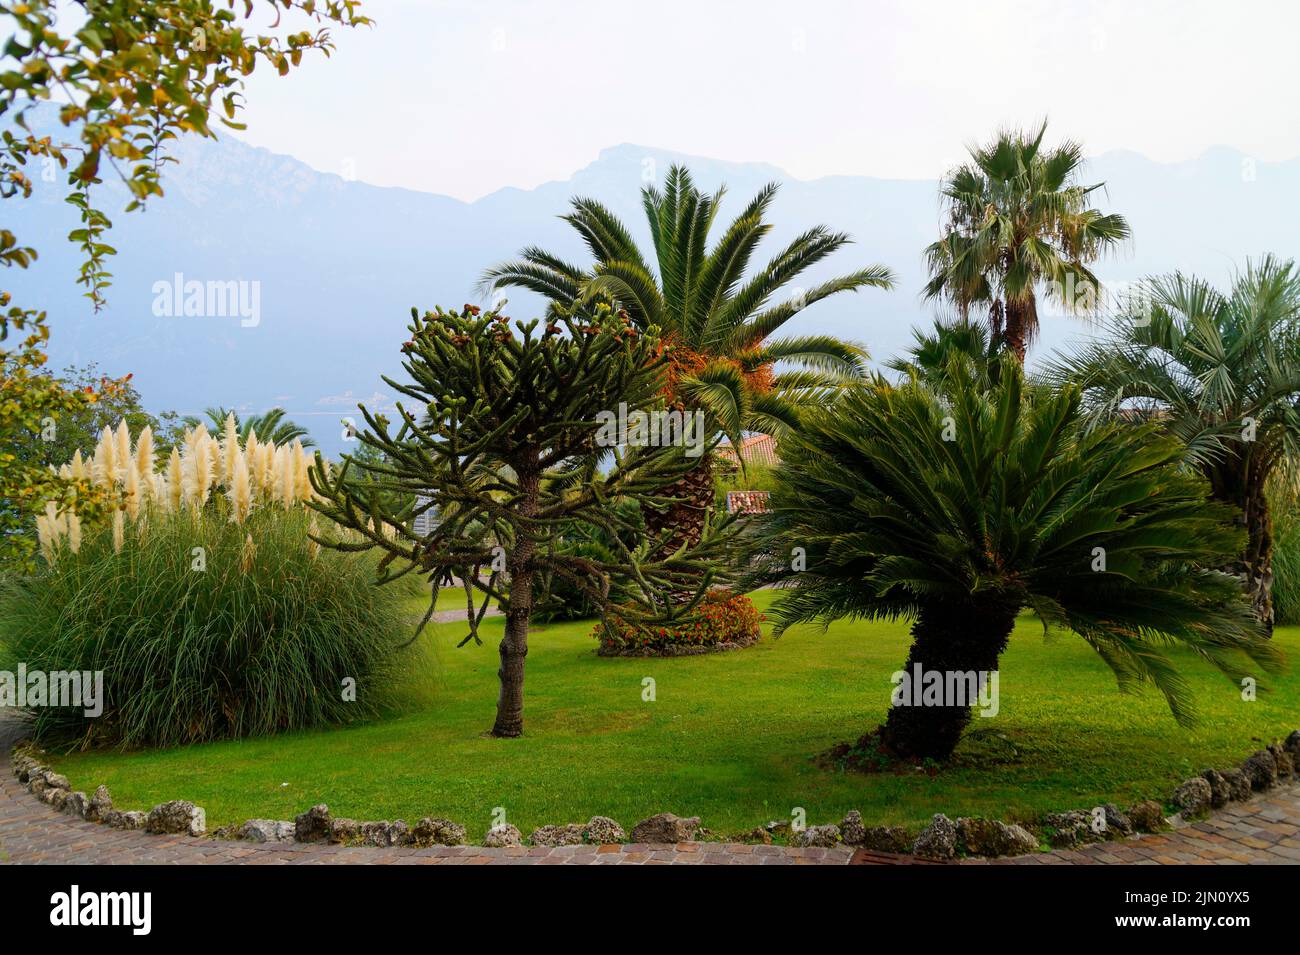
[463,97]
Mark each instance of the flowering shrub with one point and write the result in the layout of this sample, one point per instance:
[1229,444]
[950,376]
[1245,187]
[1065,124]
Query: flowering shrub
[722,620]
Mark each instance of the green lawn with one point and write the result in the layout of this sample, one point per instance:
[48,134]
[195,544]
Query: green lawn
[728,738]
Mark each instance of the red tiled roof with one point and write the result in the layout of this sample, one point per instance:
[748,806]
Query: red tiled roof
[756,449]
[748,502]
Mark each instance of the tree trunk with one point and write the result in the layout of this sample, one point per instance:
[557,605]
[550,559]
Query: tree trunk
[1017,329]
[1238,482]
[514,644]
[684,520]
[947,640]
[1259,560]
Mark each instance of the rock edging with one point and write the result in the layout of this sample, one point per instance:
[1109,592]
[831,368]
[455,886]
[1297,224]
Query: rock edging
[941,839]
[177,817]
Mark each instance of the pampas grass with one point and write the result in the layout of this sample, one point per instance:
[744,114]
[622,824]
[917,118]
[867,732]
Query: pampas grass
[210,611]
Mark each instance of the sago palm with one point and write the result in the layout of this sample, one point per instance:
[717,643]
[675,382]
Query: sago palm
[959,508]
[1219,372]
[1019,220]
[720,320]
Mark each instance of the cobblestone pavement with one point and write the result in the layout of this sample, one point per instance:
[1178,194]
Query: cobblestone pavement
[1264,830]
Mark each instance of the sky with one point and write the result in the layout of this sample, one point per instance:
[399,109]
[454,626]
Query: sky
[464,97]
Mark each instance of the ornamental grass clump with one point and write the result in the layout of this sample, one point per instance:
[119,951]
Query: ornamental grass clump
[203,600]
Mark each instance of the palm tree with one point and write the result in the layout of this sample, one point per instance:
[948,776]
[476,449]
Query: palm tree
[931,355]
[1017,219]
[960,507]
[719,321]
[269,426]
[1219,372]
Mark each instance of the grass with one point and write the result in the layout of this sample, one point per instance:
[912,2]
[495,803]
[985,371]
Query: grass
[260,637]
[729,738]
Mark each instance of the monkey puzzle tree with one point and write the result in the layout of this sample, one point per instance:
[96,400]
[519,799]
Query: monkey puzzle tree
[507,448]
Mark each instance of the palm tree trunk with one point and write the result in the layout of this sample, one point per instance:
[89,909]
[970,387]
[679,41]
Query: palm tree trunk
[952,641]
[1017,331]
[1259,558]
[684,520]
[1237,482]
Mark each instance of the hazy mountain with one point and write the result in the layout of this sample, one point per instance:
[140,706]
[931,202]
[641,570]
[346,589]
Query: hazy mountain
[340,263]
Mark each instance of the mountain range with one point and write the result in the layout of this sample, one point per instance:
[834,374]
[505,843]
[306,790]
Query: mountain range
[329,267]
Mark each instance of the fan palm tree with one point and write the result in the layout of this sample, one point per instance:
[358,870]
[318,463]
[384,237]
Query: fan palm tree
[1018,219]
[1219,372]
[270,426]
[719,321]
[960,507]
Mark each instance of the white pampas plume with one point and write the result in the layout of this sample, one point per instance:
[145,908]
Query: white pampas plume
[47,536]
[144,459]
[119,531]
[266,471]
[211,452]
[229,450]
[132,493]
[122,451]
[247,554]
[239,490]
[74,532]
[175,481]
[284,475]
[251,450]
[79,470]
[301,465]
[197,472]
[58,521]
[103,465]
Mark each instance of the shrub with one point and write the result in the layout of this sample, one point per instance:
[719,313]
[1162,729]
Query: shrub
[1286,566]
[1284,504]
[723,620]
[258,641]
[211,615]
